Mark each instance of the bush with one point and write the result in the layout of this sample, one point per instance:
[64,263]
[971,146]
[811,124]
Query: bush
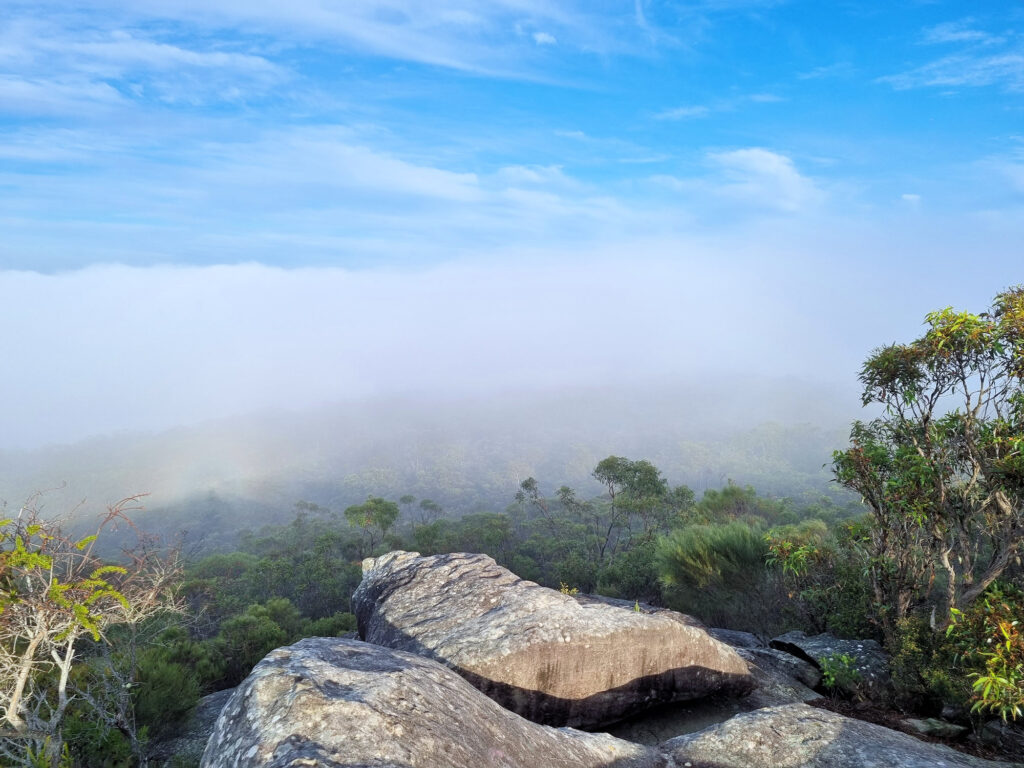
[718,573]
[987,639]
[840,675]
[823,576]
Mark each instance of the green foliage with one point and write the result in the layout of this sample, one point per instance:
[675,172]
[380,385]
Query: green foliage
[166,691]
[922,669]
[942,470]
[839,673]
[330,626]
[42,757]
[716,572]
[711,556]
[734,502]
[56,597]
[92,743]
[374,516]
[989,641]
[246,639]
[795,549]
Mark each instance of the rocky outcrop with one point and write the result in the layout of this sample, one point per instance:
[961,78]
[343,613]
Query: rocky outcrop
[540,653]
[799,736]
[329,702]
[869,660]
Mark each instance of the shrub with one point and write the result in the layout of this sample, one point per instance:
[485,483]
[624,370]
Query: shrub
[839,674]
[718,573]
[987,638]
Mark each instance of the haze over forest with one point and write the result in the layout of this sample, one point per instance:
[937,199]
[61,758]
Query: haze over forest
[267,254]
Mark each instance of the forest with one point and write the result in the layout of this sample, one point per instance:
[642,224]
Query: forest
[917,545]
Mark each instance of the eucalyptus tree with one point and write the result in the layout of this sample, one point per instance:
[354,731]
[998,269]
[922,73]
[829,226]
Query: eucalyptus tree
[942,468]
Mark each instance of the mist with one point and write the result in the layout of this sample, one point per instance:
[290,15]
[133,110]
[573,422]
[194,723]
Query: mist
[261,385]
[113,348]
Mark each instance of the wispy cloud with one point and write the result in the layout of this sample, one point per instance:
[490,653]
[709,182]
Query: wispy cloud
[698,111]
[962,31]
[119,64]
[968,70]
[839,69]
[470,35]
[692,112]
[981,59]
[41,96]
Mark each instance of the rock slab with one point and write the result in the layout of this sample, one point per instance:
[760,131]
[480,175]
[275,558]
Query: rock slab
[329,702]
[540,653]
[869,660]
[800,736]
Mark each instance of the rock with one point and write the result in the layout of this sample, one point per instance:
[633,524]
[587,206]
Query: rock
[799,736]
[869,660]
[542,654]
[737,639]
[779,678]
[931,726]
[189,744]
[663,722]
[328,702]
[1006,736]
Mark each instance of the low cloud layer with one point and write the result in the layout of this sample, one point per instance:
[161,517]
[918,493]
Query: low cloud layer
[114,348]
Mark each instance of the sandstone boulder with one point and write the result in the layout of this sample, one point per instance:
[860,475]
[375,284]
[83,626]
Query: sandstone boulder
[779,678]
[869,660]
[540,653]
[329,702]
[800,736]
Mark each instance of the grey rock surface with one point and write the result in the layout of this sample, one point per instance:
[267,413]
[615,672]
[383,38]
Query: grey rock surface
[188,745]
[1005,735]
[328,702]
[799,736]
[542,654]
[779,678]
[870,661]
[932,726]
[737,639]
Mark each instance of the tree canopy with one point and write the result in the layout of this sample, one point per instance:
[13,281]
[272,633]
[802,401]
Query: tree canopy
[942,469]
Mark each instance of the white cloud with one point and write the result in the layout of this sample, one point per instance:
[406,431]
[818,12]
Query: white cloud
[909,197]
[764,179]
[975,71]
[683,113]
[980,59]
[40,96]
[840,69]
[957,32]
[472,35]
[766,98]
[544,38]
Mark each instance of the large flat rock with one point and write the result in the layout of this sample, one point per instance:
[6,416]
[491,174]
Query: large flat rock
[330,702]
[800,736]
[540,653]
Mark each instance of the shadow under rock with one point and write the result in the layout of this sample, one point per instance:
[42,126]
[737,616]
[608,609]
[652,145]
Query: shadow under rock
[597,711]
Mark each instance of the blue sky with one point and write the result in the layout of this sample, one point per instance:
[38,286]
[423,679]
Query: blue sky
[468,189]
[365,132]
